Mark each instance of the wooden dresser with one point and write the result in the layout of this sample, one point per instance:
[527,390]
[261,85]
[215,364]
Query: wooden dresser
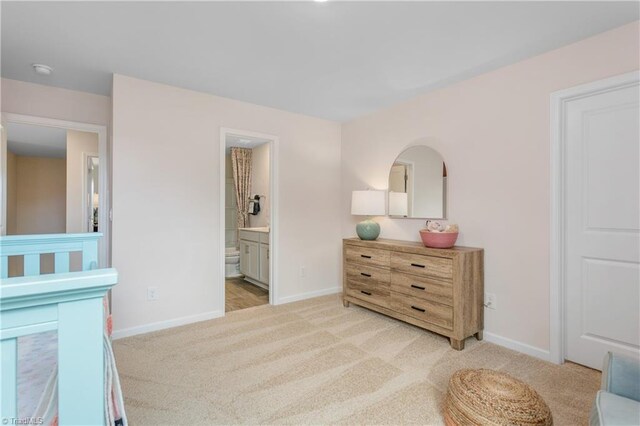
[441,290]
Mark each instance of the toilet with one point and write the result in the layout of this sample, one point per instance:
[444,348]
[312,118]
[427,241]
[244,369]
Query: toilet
[232,262]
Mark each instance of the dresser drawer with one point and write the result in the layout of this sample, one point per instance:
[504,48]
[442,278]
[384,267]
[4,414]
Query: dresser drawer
[422,265]
[372,293]
[424,310]
[368,274]
[422,287]
[368,256]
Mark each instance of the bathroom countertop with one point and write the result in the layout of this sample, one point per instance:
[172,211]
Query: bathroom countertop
[264,229]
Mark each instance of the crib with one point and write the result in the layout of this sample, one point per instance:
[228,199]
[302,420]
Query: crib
[69,302]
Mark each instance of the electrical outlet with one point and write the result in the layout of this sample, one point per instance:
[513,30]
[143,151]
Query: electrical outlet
[303,271]
[152,294]
[490,301]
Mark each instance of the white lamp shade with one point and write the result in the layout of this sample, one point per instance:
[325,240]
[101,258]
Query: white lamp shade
[398,204]
[367,203]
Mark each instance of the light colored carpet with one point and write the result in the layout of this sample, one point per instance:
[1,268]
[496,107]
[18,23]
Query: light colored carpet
[316,362]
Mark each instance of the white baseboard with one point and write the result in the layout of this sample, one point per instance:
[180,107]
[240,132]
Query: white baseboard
[524,348]
[161,325]
[308,295]
[176,322]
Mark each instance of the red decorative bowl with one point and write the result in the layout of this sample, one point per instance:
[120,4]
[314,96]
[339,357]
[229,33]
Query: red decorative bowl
[438,239]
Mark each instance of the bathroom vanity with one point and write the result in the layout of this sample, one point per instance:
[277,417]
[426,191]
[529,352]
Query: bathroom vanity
[254,255]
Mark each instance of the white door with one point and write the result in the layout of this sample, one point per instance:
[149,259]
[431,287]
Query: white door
[602,225]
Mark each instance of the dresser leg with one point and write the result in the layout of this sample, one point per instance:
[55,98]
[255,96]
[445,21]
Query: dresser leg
[345,303]
[479,335]
[456,344]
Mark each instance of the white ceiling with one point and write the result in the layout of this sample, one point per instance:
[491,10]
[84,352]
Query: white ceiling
[36,141]
[336,60]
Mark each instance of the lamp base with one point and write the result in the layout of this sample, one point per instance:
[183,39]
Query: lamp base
[368,230]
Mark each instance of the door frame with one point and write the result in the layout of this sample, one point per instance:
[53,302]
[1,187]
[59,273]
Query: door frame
[86,215]
[409,166]
[104,208]
[274,143]
[557,281]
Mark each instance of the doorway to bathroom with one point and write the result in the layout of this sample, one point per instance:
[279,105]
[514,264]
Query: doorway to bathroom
[247,219]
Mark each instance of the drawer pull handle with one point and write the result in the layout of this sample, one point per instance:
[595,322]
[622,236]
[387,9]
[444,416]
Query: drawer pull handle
[365,275]
[417,309]
[417,265]
[365,256]
[365,292]
[418,287]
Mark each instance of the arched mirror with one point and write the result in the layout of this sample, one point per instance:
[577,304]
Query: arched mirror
[418,184]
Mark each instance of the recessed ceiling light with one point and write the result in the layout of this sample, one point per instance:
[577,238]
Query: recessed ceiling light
[42,69]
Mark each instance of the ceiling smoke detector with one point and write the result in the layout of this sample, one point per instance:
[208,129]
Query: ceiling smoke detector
[41,69]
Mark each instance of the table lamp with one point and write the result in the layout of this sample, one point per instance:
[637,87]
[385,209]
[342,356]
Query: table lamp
[367,203]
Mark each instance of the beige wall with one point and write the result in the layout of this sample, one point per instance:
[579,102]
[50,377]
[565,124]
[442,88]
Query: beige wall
[40,195]
[45,195]
[38,100]
[166,201]
[493,132]
[12,193]
[40,185]
[260,184]
[78,144]
[20,97]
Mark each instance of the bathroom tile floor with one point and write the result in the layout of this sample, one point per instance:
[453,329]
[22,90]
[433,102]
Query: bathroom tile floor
[240,294]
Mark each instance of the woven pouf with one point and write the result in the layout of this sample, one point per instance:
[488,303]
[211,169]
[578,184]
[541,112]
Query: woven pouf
[487,397]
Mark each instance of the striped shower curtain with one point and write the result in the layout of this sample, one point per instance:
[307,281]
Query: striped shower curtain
[241,163]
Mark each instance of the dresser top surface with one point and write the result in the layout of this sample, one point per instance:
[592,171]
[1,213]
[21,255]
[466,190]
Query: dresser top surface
[410,246]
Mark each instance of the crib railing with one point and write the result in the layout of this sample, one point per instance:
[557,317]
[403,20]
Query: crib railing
[69,302]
